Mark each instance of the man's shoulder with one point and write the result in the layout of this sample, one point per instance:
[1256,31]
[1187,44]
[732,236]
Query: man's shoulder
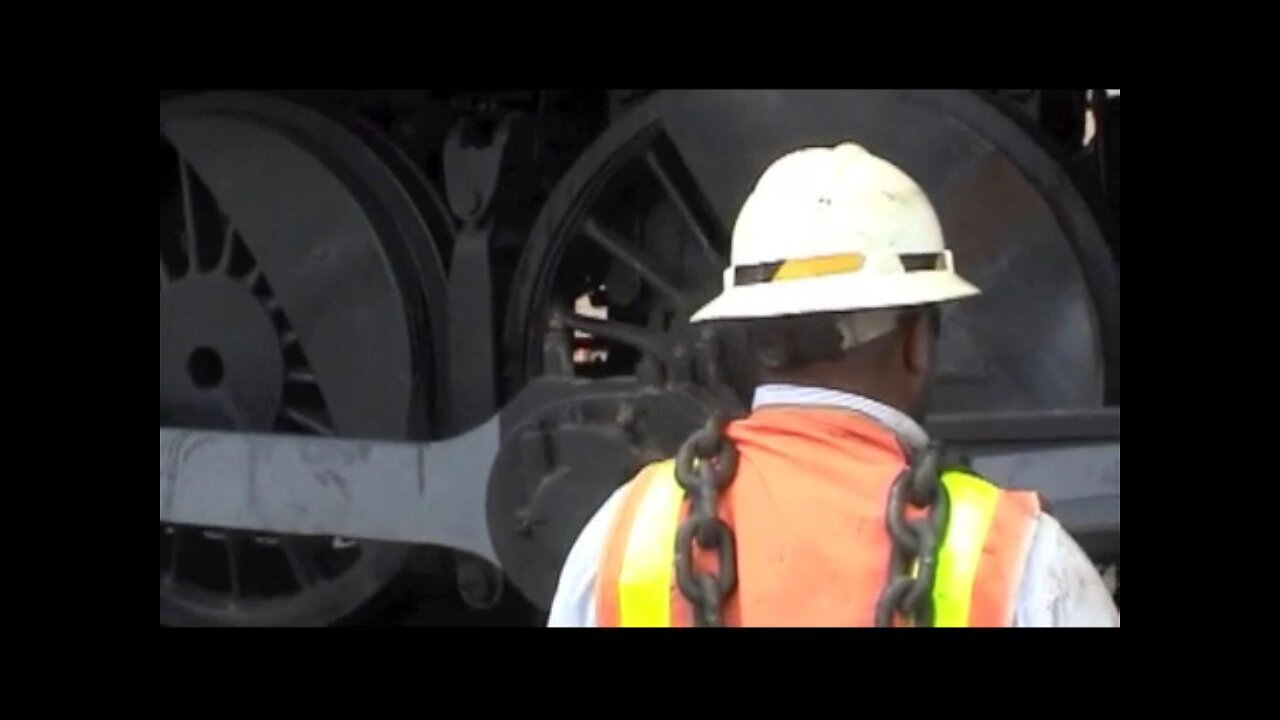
[1060,586]
[574,601]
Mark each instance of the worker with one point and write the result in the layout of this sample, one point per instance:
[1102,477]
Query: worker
[828,505]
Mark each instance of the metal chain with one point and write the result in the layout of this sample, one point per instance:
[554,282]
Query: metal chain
[915,542]
[717,461]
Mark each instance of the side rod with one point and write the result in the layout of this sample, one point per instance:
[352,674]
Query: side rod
[435,493]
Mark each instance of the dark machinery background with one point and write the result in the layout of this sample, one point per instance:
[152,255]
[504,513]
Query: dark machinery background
[399,264]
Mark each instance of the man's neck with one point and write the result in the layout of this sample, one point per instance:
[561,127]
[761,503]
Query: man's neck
[902,425]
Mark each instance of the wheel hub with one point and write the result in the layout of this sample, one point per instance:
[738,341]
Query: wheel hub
[220,355]
[569,446]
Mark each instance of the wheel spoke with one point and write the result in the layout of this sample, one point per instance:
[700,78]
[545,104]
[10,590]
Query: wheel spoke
[688,201]
[636,259]
[633,335]
[251,278]
[172,570]
[189,216]
[228,242]
[233,543]
[301,562]
[302,377]
[307,421]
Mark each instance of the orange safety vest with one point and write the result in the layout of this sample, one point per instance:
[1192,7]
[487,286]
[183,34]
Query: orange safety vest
[807,507]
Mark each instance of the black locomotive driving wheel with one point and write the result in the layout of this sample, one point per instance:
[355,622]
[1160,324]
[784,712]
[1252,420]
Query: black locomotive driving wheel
[299,292]
[636,235]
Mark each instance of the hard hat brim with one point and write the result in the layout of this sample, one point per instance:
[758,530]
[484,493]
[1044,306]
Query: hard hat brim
[835,293]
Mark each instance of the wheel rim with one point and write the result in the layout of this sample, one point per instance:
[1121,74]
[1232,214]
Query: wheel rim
[656,192]
[290,246]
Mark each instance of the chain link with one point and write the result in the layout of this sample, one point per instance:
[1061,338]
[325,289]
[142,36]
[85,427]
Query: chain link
[703,481]
[915,542]
[705,465]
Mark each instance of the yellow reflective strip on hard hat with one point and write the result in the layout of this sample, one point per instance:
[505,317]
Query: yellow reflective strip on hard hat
[973,505]
[817,266]
[644,585]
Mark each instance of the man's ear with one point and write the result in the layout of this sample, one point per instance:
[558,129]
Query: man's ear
[918,339]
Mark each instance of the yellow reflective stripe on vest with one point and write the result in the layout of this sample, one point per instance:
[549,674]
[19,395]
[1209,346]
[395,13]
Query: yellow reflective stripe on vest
[644,588]
[973,505]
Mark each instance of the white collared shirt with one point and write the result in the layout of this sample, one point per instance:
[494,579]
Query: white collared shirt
[1060,586]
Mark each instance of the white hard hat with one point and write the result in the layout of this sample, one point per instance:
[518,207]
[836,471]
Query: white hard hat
[835,230]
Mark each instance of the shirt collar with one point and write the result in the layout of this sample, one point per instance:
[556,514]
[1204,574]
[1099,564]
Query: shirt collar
[907,429]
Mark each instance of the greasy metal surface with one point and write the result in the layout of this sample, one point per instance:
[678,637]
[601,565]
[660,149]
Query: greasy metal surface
[567,445]
[1019,229]
[389,491]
